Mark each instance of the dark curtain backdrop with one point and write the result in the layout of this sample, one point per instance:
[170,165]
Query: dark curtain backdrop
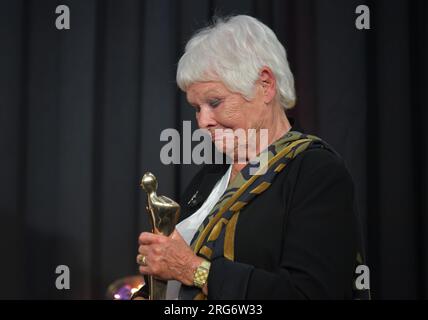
[81,113]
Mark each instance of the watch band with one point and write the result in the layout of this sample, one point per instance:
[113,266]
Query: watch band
[200,277]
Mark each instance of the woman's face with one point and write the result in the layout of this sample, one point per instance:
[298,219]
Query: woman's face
[218,108]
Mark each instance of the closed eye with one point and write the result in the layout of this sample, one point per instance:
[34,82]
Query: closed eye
[214,102]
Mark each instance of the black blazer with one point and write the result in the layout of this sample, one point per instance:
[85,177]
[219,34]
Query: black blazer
[297,240]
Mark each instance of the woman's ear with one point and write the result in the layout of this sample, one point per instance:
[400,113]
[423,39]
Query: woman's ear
[268,84]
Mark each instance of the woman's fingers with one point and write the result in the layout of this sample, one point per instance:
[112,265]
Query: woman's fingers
[150,238]
[143,249]
[164,257]
[144,270]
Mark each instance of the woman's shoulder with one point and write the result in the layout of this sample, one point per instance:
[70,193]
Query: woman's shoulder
[320,156]
[319,164]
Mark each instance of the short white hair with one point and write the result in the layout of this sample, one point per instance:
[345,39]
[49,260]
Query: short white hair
[233,51]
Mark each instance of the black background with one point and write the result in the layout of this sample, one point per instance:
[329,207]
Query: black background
[81,111]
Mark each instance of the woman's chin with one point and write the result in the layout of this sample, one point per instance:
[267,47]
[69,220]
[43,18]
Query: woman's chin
[233,155]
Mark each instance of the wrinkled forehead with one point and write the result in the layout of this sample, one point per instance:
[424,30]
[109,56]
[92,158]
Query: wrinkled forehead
[201,90]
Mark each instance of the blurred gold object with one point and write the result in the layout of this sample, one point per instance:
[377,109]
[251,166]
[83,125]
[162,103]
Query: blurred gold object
[124,288]
[163,213]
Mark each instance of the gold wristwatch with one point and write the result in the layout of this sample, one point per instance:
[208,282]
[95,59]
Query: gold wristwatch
[200,277]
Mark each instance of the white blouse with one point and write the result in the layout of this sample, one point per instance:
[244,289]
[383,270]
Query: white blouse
[188,227]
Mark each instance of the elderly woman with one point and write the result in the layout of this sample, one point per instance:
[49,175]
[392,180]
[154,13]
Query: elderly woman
[290,232]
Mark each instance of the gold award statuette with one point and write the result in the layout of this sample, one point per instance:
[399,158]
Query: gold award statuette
[163,215]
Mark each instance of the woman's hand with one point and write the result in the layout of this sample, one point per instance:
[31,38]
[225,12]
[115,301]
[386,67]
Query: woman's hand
[167,258]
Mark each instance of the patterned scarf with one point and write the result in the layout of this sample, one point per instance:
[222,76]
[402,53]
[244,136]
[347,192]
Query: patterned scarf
[215,237]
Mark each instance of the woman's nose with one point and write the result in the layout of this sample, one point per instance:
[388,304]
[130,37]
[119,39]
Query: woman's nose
[205,117]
